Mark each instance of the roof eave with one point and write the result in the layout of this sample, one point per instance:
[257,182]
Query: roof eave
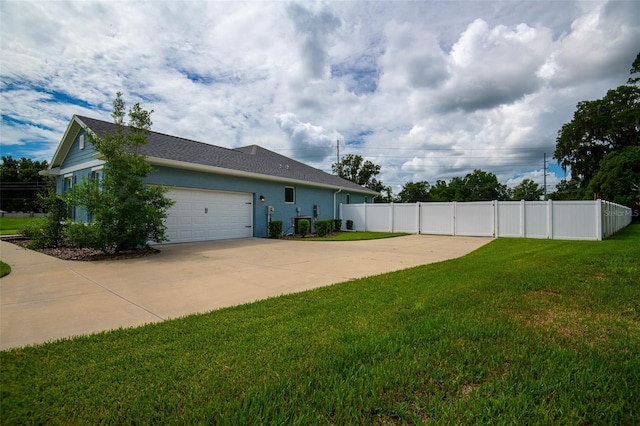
[230,172]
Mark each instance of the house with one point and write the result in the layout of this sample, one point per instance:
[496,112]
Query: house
[220,193]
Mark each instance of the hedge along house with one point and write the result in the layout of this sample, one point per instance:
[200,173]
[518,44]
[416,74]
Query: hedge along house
[220,193]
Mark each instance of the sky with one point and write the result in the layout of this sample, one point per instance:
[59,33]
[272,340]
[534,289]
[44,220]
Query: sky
[428,90]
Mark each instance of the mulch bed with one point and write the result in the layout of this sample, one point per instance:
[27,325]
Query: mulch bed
[83,254]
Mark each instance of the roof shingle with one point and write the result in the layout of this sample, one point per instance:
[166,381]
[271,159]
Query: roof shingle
[249,159]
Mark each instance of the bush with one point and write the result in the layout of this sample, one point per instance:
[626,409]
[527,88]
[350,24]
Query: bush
[49,231]
[275,229]
[337,225]
[84,235]
[303,227]
[323,227]
[349,225]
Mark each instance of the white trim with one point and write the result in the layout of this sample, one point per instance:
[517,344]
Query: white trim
[68,175]
[97,168]
[88,165]
[294,195]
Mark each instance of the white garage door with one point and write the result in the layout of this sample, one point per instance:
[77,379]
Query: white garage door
[200,215]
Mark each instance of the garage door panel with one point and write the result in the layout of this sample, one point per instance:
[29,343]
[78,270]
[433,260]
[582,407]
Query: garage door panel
[208,215]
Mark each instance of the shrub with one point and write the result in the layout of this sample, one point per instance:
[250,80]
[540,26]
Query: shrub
[84,235]
[49,231]
[275,229]
[323,227]
[337,225]
[349,225]
[303,227]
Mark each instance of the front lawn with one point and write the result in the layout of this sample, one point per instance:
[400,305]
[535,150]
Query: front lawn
[13,225]
[520,331]
[4,269]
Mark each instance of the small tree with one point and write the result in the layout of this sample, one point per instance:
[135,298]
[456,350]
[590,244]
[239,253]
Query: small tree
[126,213]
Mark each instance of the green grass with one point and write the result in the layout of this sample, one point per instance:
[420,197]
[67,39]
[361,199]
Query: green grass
[520,331]
[13,225]
[354,236]
[4,269]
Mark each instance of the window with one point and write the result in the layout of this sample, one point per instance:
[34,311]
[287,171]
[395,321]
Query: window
[81,141]
[289,194]
[67,184]
[348,198]
[98,175]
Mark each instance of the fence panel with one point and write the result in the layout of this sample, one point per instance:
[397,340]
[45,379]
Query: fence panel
[510,218]
[475,219]
[405,218]
[536,219]
[568,220]
[437,218]
[354,212]
[614,218]
[379,217]
[574,220]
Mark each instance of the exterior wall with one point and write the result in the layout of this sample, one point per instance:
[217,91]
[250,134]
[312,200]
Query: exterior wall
[79,162]
[273,192]
[77,156]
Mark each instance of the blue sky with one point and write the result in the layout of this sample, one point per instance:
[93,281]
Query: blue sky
[427,89]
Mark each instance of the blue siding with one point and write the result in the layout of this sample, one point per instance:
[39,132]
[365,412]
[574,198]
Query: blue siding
[273,192]
[77,156]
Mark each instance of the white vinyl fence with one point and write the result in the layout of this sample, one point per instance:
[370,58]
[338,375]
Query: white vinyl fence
[561,220]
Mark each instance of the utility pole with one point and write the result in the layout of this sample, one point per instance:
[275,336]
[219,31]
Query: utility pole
[338,151]
[544,168]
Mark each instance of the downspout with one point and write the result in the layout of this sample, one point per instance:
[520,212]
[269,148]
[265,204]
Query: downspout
[334,202]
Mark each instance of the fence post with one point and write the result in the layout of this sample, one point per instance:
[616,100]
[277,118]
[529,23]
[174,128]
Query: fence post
[598,219]
[391,216]
[496,227]
[418,218]
[365,216]
[523,218]
[550,219]
[454,212]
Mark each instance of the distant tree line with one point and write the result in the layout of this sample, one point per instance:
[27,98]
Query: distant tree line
[20,184]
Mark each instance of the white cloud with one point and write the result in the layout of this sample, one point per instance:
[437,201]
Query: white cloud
[313,143]
[428,90]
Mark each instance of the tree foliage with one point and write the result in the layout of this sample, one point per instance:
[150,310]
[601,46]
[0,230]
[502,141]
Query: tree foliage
[618,177]
[476,186]
[357,170]
[413,192]
[126,213]
[21,183]
[527,190]
[598,128]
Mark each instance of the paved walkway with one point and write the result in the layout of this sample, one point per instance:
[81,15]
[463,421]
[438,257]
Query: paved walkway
[45,298]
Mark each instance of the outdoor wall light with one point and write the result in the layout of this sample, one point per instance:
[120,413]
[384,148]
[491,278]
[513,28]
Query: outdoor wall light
[262,198]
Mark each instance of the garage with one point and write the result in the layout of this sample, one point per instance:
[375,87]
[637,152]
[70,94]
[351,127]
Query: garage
[201,215]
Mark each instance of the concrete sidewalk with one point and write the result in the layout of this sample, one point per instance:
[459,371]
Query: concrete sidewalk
[45,298]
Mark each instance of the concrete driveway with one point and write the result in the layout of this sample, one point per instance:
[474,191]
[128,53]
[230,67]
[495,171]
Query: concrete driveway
[45,298]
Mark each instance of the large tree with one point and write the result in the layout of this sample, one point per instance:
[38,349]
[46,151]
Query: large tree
[527,190]
[599,127]
[479,186]
[357,170]
[414,191]
[21,182]
[618,177]
[126,213]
